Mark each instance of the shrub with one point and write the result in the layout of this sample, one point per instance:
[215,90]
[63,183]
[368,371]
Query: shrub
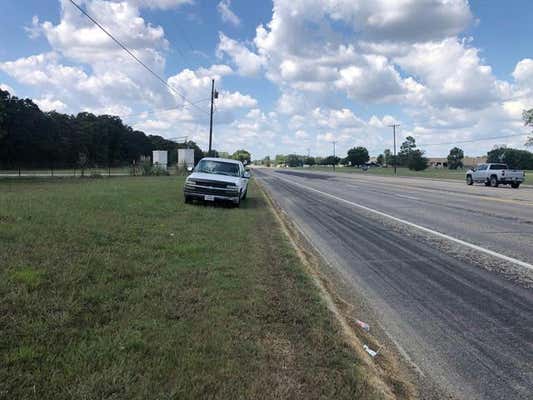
[417,161]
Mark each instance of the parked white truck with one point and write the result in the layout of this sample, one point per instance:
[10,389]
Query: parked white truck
[494,175]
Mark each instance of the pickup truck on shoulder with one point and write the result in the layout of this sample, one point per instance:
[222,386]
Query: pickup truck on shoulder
[217,179]
[494,175]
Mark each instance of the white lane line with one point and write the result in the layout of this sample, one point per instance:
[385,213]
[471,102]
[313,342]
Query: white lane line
[422,228]
[403,196]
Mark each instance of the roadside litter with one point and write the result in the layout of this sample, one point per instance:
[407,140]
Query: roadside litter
[363,325]
[370,351]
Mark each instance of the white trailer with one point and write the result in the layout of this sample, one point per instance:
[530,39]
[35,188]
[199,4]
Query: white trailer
[185,158]
[160,158]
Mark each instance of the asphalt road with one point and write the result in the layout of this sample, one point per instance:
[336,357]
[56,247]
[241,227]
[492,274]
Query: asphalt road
[467,330]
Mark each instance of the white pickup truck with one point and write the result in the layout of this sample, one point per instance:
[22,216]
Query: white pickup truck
[494,175]
[217,179]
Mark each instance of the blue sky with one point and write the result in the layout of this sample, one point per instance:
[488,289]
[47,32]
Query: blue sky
[293,75]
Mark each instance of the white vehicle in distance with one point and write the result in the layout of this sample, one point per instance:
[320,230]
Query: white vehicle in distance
[217,179]
[494,175]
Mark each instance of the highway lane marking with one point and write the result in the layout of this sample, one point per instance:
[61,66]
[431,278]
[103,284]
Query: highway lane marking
[406,197]
[419,227]
[403,185]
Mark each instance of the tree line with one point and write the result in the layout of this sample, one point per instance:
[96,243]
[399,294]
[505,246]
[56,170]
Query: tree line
[30,138]
[411,157]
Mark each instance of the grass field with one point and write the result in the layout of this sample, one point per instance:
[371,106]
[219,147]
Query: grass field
[115,289]
[434,173]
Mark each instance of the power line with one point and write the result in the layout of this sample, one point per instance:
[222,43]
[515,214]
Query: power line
[162,110]
[473,140]
[135,57]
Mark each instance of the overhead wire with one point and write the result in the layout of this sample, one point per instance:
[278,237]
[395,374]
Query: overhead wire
[130,53]
[472,140]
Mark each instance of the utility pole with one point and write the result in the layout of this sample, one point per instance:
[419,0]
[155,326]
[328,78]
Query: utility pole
[334,142]
[394,134]
[214,95]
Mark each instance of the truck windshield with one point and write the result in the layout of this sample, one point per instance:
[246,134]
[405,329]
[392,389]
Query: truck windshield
[217,167]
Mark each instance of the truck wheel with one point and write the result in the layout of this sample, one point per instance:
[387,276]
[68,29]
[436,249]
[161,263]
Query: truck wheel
[469,180]
[493,181]
[515,185]
[245,193]
[188,200]
[487,183]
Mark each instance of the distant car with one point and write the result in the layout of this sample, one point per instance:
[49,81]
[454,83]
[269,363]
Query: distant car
[494,175]
[217,179]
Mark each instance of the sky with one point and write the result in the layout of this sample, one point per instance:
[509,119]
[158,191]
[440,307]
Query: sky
[292,75]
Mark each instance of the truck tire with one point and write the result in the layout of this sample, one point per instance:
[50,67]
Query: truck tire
[515,185]
[188,200]
[245,193]
[469,180]
[487,183]
[494,181]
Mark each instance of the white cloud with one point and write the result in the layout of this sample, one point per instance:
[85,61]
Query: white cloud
[523,73]
[5,87]
[231,101]
[247,62]
[226,14]
[161,4]
[452,72]
[50,104]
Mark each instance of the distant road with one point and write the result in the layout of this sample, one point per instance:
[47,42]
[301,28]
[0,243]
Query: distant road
[468,330]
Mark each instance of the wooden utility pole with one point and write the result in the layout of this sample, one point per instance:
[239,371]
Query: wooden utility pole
[214,95]
[394,134]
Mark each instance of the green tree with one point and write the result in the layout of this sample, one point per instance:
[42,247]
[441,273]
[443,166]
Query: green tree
[280,159]
[294,160]
[527,116]
[387,155]
[357,156]
[310,161]
[455,158]
[380,159]
[330,160]
[406,148]
[242,155]
[417,161]
[266,161]
[514,158]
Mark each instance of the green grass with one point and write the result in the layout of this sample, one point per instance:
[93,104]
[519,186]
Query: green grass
[433,173]
[115,289]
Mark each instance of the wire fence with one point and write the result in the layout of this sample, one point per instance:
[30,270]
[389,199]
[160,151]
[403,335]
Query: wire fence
[92,172]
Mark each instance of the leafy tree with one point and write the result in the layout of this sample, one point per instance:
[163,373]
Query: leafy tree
[514,158]
[387,155]
[280,159]
[527,116]
[417,161]
[212,153]
[310,161]
[455,158]
[31,138]
[357,156]
[294,160]
[380,159]
[266,161]
[406,148]
[330,160]
[242,155]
